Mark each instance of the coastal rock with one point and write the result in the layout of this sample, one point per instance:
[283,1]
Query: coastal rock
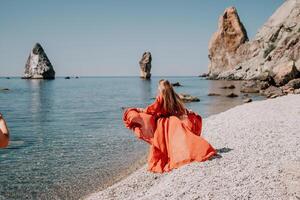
[265,84]
[203,75]
[213,94]
[297,91]
[291,86]
[277,42]
[232,95]
[249,87]
[285,72]
[224,43]
[248,100]
[38,66]
[288,91]
[228,87]
[188,98]
[177,84]
[295,84]
[145,65]
[272,92]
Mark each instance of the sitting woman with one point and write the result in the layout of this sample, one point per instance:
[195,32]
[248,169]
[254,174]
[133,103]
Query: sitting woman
[172,131]
[4,133]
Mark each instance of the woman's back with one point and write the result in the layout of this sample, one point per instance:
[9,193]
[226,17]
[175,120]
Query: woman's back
[167,102]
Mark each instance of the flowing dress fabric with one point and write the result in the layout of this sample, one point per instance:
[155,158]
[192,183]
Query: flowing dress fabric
[173,141]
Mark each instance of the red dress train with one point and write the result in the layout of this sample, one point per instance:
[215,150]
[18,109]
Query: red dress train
[173,141]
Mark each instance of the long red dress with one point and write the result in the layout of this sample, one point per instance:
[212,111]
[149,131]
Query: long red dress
[173,141]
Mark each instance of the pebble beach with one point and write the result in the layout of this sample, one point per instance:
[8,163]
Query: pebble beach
[258,158]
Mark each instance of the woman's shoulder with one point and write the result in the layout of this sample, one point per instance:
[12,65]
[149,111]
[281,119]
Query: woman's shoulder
[159,98]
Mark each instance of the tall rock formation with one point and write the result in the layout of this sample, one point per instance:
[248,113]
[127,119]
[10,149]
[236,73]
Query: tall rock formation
[224,43]
[38,65]
[145,65]
[273,53]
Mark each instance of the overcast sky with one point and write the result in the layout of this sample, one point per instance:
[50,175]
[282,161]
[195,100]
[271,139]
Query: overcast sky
[108,37]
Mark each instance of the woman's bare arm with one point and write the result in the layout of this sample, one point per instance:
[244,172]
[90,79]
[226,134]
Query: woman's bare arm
[4,132]
[154,107]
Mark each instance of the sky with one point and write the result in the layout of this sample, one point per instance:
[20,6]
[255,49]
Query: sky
[108,37]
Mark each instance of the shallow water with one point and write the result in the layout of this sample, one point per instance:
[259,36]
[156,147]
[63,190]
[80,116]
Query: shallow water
[68,138]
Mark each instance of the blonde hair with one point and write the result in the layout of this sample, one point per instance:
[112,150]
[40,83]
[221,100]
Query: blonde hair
[171,100]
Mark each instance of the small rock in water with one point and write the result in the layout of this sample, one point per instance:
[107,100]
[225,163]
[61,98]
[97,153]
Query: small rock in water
[76,77]
[231,87]
[213,94]
[228,87]
[232,95]
[67,77]
[177,84]
[7,77]
[248,100]
[188,98]
[203,75]
[4,89]
[249,87]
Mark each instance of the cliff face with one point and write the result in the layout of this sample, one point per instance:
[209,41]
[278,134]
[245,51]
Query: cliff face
[145,65]
[273,53]
[38,65]
[224,43]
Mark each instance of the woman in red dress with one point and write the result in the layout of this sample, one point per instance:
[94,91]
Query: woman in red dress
[172,131]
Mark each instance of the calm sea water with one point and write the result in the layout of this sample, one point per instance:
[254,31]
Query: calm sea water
[68,138]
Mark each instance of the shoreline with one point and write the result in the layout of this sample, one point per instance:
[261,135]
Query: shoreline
[123,174]
[267,179]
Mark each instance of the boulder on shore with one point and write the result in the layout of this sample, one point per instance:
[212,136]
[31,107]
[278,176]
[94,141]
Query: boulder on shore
[248,100]
[285,72]
[38,66]
[272,92]
[295,83]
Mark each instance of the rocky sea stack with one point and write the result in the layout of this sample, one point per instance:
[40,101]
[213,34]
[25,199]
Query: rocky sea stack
[38,66]
[145,65]
[225,42]
[273,54]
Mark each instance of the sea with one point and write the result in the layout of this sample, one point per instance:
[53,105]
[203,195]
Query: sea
[68,139]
